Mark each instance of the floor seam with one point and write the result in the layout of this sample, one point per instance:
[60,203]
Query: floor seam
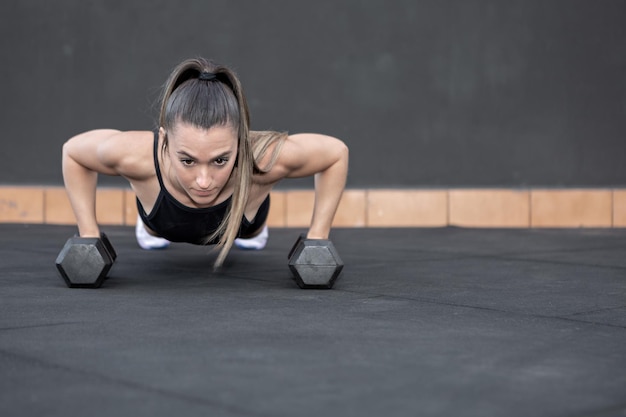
[598,310]
[542,316]
[131,384]
[35,326]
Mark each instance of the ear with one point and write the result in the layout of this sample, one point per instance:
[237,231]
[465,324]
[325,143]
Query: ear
[162,132]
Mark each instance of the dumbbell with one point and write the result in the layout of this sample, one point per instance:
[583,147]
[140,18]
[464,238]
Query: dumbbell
[314,263]
[84,262]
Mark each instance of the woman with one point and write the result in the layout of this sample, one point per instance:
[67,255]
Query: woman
[203,177]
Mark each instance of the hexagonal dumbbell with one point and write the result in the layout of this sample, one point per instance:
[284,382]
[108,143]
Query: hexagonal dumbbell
[314,263]
[84,262]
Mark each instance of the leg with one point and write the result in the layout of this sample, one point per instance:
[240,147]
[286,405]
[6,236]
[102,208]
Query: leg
[146,240]
[257,239]
[255,242]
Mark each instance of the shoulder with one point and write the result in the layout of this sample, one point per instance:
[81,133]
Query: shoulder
[129,153]
[302,155]
[306,154]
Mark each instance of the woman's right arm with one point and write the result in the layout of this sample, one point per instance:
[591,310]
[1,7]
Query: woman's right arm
[84,156]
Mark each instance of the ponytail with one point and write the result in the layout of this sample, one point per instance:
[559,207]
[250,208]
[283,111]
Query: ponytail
[204,94]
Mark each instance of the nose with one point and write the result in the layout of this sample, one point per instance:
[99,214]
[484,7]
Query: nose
[203,179]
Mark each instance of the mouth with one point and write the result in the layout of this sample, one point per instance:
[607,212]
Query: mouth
[203,193]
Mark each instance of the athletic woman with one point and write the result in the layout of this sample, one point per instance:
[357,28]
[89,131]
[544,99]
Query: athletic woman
[203,177]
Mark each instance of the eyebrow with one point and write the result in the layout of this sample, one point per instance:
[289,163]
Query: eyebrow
[186,155]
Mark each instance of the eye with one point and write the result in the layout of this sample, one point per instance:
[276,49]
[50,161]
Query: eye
[221,161]
[187,162]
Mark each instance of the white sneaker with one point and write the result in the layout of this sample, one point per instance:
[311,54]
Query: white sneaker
[256,243]
[146,240]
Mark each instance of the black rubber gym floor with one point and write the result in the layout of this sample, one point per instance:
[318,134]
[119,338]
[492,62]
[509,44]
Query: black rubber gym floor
[423,322]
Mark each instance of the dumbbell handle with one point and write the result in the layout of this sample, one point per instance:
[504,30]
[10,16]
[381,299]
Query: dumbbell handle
[303,238]
[107,245]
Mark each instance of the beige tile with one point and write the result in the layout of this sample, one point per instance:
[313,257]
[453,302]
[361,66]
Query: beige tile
[571,208]
[276,216]
[110,206]
[130,208]
[407,208]
[299,206]
[350,213]
[358,208]
[489,208]
[58,209]
[352,209]
[619,208]
[21,205]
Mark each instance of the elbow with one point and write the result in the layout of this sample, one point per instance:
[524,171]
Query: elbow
[340,159]
[68,146]
[66,150]
[342,151]
[67,162]
[344,148]
[69,151]
[344,154]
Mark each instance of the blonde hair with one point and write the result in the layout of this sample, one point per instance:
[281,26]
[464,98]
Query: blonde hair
[205,94]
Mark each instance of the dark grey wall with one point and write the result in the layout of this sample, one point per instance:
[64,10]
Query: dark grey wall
[426,93]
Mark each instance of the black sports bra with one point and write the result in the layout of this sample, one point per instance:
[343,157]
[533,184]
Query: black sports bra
[178,223]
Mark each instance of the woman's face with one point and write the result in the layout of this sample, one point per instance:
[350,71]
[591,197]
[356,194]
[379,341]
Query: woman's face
[201,160]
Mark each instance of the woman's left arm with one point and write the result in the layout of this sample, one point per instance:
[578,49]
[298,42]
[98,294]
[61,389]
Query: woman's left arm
[325,158]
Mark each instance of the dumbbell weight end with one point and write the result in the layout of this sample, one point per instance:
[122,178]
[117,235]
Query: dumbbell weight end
[84,262]
[315,263]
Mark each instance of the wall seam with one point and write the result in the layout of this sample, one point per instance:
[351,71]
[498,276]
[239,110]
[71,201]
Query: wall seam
[366,207]
[44,204]
[530,209]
